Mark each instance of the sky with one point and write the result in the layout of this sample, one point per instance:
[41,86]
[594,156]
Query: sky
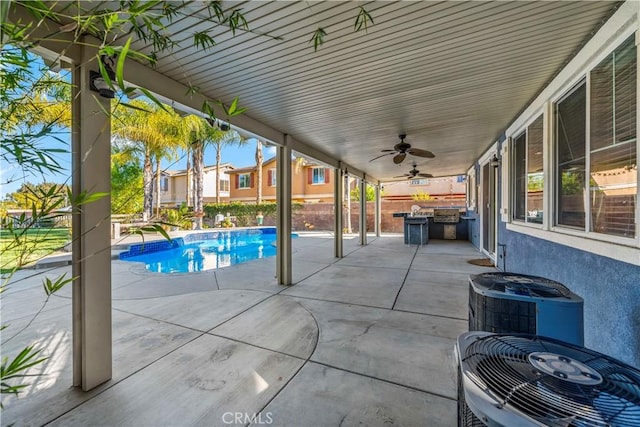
[11,176]
[237,156]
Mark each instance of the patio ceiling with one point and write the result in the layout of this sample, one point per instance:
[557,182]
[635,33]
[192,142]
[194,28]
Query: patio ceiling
[451,75]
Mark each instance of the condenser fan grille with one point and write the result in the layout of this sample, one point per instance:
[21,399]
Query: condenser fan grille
[575,387]
[521,284]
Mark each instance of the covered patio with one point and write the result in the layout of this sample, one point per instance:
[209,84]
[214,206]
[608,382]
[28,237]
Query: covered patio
[349,330]
[363,339]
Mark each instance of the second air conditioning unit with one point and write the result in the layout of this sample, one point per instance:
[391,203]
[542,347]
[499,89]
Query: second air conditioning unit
[529,381]
[517,303]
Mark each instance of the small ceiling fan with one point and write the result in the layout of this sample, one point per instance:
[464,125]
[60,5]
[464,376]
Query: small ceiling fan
[401,150]
[414,173]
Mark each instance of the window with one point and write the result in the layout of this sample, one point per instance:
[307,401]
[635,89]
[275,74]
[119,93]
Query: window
[224,185]
[318,176]
[419,181]
[471,189]
[528,185]
[244,180]
[596,174]
[271,178]
[570,137]
[612,166]
[164,184]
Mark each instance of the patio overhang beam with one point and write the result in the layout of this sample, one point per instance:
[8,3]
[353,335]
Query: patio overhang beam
[61,47]
[169,89]
[52,46]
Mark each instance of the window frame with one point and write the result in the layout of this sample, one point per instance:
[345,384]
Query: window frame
[246,181]
[622,248]
[510,151]
[273,177]
[590,150]
[586,231]
[471,189]
[583,82]
[313,176]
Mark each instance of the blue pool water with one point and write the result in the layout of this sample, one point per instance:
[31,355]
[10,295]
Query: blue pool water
[204,251]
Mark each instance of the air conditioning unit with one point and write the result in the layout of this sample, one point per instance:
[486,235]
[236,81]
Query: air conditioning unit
[516,303]
[526,380]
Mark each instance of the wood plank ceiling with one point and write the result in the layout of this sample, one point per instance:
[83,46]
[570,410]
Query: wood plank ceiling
[451,75]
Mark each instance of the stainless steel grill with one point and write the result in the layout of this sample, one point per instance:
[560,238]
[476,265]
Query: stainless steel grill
[446,216]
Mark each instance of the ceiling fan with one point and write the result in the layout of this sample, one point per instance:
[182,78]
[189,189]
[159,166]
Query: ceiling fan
[414,173]
[401,150]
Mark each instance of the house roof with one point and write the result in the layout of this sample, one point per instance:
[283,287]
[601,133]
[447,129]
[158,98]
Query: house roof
[206,169]
[253,168]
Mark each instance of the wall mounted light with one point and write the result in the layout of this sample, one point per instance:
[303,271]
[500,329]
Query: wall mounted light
[98,84]
[221,125]
[495,162]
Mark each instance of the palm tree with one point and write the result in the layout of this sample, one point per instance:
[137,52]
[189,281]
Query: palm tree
[229,138]
[259,159]
[154,132]
[199,134]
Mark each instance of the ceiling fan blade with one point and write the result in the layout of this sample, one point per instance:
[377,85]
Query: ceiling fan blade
[420,153]
[388,151]
[399,158]
[402,176]
[425,175]
[382,155]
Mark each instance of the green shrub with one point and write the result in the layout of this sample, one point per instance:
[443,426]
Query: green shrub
[245,213]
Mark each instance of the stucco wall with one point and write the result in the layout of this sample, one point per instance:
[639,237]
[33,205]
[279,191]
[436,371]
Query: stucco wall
[610,288]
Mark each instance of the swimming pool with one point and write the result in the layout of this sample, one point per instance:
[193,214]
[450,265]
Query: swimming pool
[204,251]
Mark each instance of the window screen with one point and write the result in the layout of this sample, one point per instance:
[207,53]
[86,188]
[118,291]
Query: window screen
[528,185]
[570,127]
[613,180]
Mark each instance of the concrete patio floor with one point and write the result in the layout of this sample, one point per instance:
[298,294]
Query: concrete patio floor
[364,340]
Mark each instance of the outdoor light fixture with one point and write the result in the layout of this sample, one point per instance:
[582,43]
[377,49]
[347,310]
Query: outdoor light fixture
[97,82]
[222,126]
[495,162]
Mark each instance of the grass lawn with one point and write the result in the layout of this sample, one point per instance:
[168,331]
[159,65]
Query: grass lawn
[33,245]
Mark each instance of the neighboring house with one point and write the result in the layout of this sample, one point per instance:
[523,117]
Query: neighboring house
[173,185]
[442,188]
[310,182]
[313,183]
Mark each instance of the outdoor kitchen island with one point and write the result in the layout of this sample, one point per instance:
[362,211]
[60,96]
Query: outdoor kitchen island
[424,224]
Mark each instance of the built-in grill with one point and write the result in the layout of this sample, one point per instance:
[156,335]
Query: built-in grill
[449,218]
[446,216]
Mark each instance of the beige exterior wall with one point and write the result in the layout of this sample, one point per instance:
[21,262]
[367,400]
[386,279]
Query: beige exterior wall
[176,193]
[301,190]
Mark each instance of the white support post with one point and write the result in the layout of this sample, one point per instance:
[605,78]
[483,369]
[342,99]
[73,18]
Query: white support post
[378,211]
[283,201]
[91,295]
[337,200]
[363,212]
